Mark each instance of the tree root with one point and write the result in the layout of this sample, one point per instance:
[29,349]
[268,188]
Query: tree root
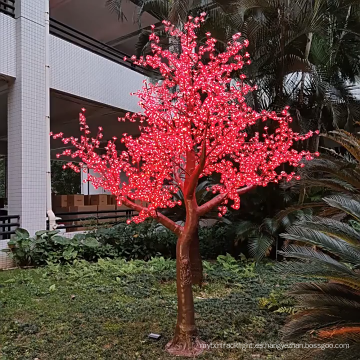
[185,346]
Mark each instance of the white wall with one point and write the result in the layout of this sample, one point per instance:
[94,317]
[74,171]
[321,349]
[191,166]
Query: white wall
[5,261]
[87,188]
[7,45]
[80,72]
[27,131]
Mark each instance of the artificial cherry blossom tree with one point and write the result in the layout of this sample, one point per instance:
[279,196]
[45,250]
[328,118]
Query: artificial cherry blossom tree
[194,124]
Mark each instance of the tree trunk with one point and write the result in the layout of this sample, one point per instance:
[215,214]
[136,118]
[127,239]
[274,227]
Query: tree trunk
[314,143]
[309,37]
[306,57]
[185,341]
[196,261]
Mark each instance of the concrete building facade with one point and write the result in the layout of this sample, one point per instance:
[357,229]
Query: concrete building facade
[42,63]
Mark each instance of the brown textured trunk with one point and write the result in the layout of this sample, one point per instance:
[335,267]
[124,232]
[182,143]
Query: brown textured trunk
[195,260]
[309,39]
[185,341]
[314,143]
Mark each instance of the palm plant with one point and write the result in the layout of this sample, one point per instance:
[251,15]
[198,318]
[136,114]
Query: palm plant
[255,224]
[176,11]
[330,311]
[173,10]
[304,54]
[333,171]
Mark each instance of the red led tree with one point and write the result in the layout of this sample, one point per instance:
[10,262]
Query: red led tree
[194,124]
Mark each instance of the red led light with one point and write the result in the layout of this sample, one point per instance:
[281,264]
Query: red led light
[185,135]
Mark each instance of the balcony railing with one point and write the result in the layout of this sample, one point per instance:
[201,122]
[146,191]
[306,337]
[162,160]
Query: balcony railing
[90,220]
[7,7]
[8,225]
[78,38]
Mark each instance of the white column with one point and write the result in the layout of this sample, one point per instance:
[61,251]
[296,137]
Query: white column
[87,188]
[27,119]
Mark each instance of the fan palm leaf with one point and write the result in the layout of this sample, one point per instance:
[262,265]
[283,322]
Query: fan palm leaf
[304,233]
[350,206]
[116,6]
[327,304]
[331,227]
[344,171]
[260,244]
[349,141]
[330,310]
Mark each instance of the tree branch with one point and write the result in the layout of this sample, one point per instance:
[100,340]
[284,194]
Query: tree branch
[160,218]
[193,181]
[217,200]
[178,179]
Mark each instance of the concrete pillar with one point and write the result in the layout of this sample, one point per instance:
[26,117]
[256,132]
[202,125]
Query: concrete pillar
[26,119]
[87,188]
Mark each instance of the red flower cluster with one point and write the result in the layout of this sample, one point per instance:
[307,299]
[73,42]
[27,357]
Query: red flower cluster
[195,122]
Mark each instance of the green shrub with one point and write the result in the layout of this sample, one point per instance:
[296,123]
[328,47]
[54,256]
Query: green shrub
[217,240]
[279,302]
[139,241]
[49,247]
[148,239]
[135,241]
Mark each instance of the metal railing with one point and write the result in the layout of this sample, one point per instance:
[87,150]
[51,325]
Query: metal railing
[7,7]
[86,220]
[76,37]
[8,225]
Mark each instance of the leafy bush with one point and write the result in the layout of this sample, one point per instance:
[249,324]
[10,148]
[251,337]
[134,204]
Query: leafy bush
[49,246]
[135,241]
[277,301]
[138,241]
[217,240]
[148,239]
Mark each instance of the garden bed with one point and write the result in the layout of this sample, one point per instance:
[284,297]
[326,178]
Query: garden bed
[106,310]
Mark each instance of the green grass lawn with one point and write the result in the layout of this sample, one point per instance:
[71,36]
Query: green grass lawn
[106,310]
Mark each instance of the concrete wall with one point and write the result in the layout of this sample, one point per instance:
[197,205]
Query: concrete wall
[7,46]
[82,73]
[88,189]
[27,131]
[5,261]
[75,71]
